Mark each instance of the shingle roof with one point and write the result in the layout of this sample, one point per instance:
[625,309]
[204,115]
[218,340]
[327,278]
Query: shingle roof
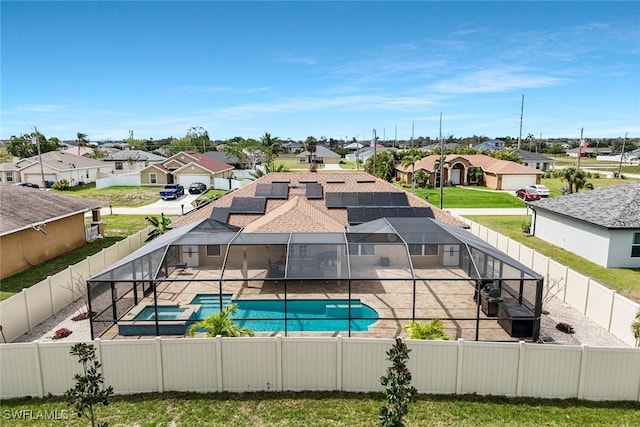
[487,163]
[138,155]
[60,160]
[330,181]
[320,152]
[609,207]
[22,207]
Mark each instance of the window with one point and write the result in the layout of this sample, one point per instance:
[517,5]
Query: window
[153,178]
[9,176]
[119,166]
[635,247]
[361,250]
[213,250]
[423,250]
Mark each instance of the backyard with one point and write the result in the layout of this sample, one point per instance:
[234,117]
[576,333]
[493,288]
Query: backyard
[326,409]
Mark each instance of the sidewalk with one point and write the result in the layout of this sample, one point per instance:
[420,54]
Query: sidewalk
[168,207]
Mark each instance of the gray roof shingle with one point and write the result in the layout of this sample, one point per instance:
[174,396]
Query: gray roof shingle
[610,207]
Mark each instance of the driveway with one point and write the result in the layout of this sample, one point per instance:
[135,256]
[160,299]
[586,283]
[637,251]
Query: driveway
[179,206]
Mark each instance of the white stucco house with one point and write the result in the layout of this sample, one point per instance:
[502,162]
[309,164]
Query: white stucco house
[601,225]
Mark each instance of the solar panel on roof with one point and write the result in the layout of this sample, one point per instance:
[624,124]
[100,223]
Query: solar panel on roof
[279,190]
[399,199]
[366,199]
[333,200]
[382,199]
[350,199]
[355,216]
[263,190]
[360,214]
[314,191]
[248,205]
[220,214]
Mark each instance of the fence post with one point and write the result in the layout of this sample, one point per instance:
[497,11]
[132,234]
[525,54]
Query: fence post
[26,307]
[583,370]
[613,301]
[279,362]
[104,257]
[158,348]
[586,297]
[219,362]
[460,366]
[339,362]
[53,306]
[37,368]
[566,283]
[521,360]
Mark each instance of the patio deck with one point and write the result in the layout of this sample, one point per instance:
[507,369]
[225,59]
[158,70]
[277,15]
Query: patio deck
[448,296]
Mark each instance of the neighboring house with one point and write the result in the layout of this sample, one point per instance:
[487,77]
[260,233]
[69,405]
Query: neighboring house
[530,159]
[496,174]
[292,146]
[223,157]
[354,146]
[601,225]
[322,155]
[127,161]
[589,151]
[57,166]
[9,173]
[364,153]
[86,151]
[38,225]
[185,168]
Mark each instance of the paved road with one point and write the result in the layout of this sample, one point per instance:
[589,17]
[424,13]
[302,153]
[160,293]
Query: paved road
[169,207]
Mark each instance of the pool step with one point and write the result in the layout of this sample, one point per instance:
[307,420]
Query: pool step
[342,310]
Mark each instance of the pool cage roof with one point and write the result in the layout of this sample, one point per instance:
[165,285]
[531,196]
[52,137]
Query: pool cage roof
[393,241]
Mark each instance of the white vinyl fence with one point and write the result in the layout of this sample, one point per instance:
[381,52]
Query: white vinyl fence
[21,312]
[228,183]
[126,180]
[342,364]
[604,306]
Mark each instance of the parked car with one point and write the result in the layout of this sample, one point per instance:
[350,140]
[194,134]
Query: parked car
[528,194]
[197,188]
[171,191]
[542,190]
[27,184]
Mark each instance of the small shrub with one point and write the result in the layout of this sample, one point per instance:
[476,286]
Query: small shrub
[61,185]
[61,333]
[526,226]
[567,328]
[83,316]
[398,390]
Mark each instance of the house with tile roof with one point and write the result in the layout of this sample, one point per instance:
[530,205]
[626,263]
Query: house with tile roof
[496,174]
[370,254]
[38,225]
[185,168]
[601,225]
[322,155]
[130,161]
[56,166]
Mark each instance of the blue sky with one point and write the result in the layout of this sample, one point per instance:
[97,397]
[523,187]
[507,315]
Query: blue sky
[333,69]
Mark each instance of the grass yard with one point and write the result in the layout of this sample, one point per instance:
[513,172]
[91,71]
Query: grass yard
[117,227]
[469,197]
[116,196]
[626,281]
[330,409]
[592,163]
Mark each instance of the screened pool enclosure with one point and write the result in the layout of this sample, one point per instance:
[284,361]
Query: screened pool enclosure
[402,268]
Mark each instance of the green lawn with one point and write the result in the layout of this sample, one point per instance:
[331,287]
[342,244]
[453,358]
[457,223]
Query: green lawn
[117,227]
[469,197]
[592,163]
[555,184]
[331,409]
[116,196]
[626,281]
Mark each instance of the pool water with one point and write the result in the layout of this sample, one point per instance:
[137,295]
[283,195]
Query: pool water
[304,315]
[164,313]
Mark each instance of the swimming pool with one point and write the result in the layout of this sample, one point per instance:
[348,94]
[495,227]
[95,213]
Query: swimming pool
[303,315]
[164,313]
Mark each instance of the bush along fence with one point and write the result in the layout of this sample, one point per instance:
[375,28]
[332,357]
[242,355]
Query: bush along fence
[606,307]
[23,311]
[342,364]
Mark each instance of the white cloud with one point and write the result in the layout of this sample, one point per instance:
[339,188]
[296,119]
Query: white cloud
[498,79]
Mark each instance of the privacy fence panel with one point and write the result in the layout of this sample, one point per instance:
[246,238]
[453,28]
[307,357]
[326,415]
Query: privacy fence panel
[599,304]
[433,365]
[14,316]
[38,298]
[611,374]
[60,366]
[622,315]
[130,368]
[363,363]
[19,371]
[249,364]
[310,365]
[576,290]
[550,371]
[192,367]
[489,368]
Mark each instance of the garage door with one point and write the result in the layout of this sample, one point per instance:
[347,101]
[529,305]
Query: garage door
[515,182]
[187,180]
[37,178]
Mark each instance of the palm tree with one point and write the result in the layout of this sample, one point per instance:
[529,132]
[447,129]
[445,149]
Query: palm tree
[311,144]
[272,144]
[160,226]
[82,140]
[410,159]
[635,327]
[576,178]
[422,177]
[475,174]
[221,324]
[433,330]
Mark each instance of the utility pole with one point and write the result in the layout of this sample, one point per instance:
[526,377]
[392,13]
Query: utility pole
[395,144]
[580,146]
[521,114]
[622,155]
[37,142]
[374,152]
[412,128]
[441,162]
